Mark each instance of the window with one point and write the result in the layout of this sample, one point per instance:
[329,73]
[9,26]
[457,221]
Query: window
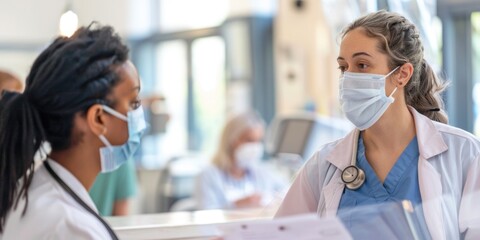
[475,19]
[180,15]
[208,55]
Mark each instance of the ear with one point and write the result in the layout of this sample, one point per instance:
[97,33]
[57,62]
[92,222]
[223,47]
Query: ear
[403,75]
[96,119]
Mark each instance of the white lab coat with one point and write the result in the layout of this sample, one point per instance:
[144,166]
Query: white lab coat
[448,173]
[214,190]
[52,213]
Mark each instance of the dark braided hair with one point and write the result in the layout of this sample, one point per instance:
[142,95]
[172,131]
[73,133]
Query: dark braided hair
[67,78]
[400,40]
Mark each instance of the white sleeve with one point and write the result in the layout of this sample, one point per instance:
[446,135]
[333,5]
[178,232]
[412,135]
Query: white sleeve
[208,191]
[469,213]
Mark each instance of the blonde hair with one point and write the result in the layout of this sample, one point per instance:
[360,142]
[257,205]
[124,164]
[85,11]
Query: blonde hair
[233,129]
[400,40]
[6,77]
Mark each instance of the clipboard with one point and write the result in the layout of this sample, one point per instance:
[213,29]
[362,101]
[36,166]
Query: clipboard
[389,220]
[300,227]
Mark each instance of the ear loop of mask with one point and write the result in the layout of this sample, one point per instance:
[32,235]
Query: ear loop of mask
[115,114]
[394,90]
[105,141]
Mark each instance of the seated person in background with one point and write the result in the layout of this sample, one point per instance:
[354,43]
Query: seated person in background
[10,82]
[112,191]
[235,180]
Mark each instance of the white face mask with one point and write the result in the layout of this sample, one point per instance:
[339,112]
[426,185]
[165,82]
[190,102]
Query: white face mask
[248,155]
[363,97]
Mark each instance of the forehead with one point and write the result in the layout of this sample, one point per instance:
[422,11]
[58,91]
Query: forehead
[356,41]
[129,80]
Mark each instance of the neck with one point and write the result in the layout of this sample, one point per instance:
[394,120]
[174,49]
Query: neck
[82,163]
[393,131]
[237,172]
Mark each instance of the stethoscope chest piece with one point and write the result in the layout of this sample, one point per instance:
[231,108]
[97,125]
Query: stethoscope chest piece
[353,177]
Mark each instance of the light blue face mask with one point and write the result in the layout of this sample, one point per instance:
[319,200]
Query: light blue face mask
[112,157]
[363,97]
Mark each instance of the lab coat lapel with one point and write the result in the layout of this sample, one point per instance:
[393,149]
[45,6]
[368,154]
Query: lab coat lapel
[431,192]
[333,192]
[339,157]
[430,144]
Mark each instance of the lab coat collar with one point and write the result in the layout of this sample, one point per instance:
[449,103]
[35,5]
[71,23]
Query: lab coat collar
[72,182]
[341,154]
[430,142]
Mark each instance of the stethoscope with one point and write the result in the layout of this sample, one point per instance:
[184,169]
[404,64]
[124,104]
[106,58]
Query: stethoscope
[352,176]
[79,200]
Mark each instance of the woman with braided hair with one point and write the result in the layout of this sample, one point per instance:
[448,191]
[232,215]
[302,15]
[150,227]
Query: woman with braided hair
[402,148]
[81,97]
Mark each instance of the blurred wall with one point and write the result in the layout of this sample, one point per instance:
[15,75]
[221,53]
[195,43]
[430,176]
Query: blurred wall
[27,26]
[305,59]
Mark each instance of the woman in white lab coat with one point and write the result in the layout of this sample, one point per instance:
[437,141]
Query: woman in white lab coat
[402,147]
[81,98]
[235,179]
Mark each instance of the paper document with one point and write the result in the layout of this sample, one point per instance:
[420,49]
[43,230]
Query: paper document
[300,227]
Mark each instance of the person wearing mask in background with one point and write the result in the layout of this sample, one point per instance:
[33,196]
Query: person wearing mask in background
[9,82]
[81,97]
[401,142]
[235,179]
[112,191]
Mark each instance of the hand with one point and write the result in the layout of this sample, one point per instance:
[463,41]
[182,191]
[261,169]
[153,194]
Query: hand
[253,200]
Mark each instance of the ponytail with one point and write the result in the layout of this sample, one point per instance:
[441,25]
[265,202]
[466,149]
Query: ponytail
[21,136]
[425,96]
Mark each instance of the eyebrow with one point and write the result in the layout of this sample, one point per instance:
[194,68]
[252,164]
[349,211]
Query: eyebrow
[361,54]
[136,88]
[356,55]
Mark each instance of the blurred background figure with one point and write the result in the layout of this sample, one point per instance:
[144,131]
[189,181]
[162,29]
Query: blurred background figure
[235,179]
[9,82]
[112,192]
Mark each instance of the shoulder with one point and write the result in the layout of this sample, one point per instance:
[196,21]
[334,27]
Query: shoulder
[457,137]
[318,171]
[211,169]
[319,158]
[211,173]
[51,216]
[463,149]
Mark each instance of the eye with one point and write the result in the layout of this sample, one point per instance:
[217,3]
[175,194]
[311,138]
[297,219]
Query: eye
[362,66]
[135,104]
[342,68]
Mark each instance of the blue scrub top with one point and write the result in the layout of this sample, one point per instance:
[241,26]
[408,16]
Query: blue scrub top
[400,184]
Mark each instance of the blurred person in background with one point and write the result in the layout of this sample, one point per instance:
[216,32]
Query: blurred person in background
[235,178]
[9,82]
[112,192]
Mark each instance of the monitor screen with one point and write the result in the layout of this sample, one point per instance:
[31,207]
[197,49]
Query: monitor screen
[294,136]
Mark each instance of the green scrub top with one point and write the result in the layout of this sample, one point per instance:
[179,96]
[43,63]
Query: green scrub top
[112,186]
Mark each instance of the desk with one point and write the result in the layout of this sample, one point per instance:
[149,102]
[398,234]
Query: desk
[182,225]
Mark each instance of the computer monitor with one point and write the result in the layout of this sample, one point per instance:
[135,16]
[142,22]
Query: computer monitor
[295,135]
[301,135]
